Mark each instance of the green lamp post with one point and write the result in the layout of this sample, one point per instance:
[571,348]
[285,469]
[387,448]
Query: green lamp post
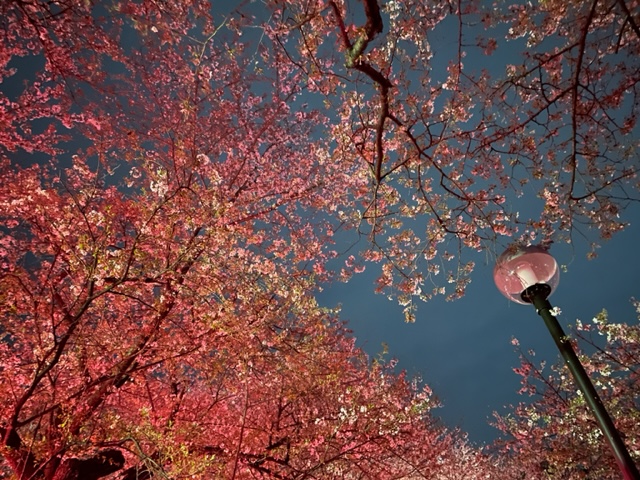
[528,275]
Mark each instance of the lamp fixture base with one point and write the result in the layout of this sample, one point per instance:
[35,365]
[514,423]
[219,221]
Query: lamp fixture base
[539,290]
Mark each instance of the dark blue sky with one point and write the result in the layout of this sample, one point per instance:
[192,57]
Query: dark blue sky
[463,349]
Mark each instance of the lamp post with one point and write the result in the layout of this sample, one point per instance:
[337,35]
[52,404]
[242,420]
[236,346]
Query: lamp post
[528,275]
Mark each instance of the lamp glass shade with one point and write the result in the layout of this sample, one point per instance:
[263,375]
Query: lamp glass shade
[518,268]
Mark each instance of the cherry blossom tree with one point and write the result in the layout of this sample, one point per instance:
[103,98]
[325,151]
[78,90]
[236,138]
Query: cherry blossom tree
[535,100]
[159,251]
[138,343]
[173,177]
[556,436]
[429,154]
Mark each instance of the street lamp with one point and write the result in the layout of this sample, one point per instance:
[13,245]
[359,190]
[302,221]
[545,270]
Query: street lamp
[529,275]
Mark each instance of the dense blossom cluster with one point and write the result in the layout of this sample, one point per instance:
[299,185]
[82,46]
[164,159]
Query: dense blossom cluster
[555,435]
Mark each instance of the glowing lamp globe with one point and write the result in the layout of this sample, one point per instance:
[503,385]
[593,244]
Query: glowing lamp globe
[519,268]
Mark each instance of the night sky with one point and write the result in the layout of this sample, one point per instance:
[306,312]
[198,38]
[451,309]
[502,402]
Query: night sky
[463,349]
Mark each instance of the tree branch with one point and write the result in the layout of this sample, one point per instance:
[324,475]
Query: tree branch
[574,95]
[353,54]
[630,19]
[98,466]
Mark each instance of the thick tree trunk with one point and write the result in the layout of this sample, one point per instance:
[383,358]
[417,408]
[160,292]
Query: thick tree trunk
[100,465]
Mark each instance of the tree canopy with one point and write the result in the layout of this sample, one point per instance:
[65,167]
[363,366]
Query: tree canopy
[174,175]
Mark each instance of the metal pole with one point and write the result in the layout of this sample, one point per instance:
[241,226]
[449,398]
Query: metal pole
[537,295]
